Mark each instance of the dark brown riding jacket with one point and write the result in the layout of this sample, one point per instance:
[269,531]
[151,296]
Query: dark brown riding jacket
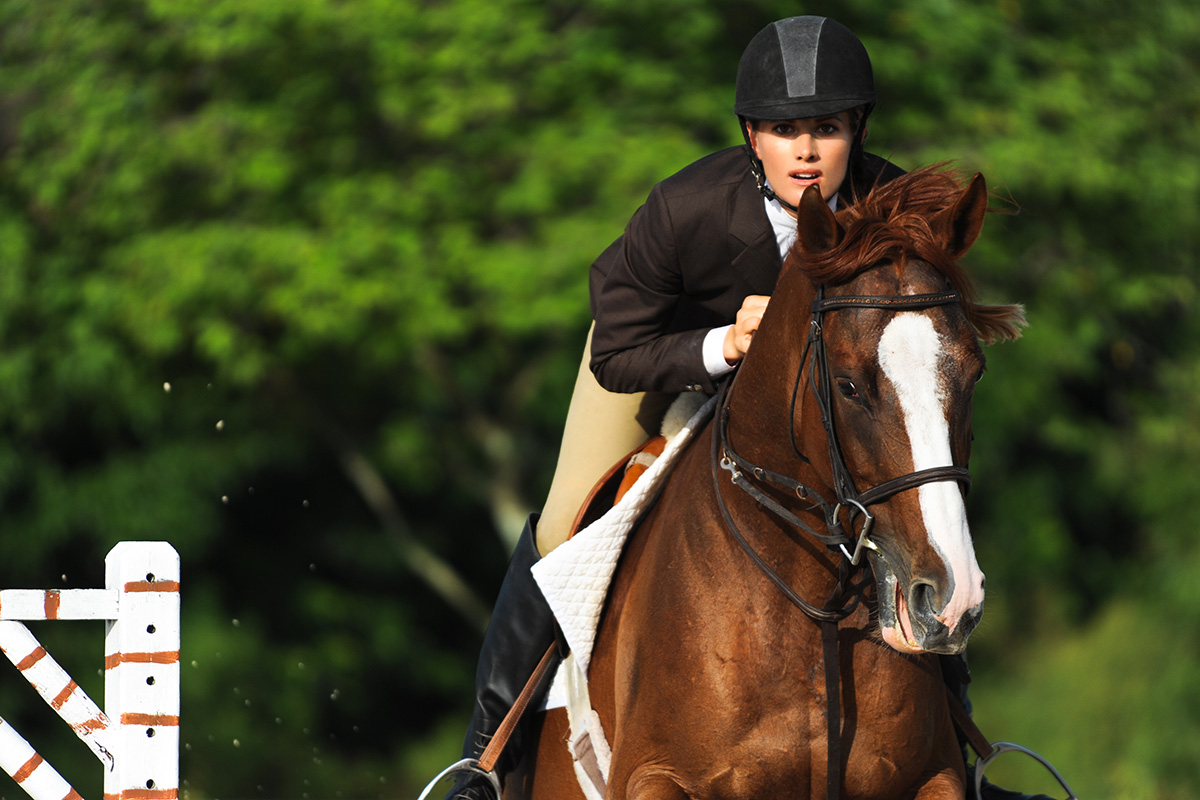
[688,258]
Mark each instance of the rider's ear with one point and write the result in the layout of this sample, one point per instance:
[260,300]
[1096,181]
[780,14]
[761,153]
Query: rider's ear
[959,225]
[818,229]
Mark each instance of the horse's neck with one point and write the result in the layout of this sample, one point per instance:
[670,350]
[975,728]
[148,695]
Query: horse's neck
[761,402]
[774,421]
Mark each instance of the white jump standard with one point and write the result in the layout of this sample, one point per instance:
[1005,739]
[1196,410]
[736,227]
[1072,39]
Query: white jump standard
[136,736]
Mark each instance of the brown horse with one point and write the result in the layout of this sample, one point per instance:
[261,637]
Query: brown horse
[734,658]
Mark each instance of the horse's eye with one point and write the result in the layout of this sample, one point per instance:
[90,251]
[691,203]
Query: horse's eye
[847,388]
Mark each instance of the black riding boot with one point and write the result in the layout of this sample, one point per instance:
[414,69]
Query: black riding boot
[957,677]
[521,630]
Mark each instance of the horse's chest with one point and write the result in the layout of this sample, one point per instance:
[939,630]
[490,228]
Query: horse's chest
[741,721]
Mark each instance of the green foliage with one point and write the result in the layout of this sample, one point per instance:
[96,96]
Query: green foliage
[250,247]
[1104,698]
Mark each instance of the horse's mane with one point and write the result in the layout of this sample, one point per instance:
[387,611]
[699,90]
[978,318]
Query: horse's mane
[892,223]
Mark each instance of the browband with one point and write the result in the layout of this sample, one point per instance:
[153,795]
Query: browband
[911,301]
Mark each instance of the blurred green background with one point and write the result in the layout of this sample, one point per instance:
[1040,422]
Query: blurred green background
[299,286]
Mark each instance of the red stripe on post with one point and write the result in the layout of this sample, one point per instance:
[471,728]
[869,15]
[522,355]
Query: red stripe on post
[149,719]
[152,586]
[148,794]
[164,657]
[93,724]
[25,771]
[61,699]
[28,661]
[52,601]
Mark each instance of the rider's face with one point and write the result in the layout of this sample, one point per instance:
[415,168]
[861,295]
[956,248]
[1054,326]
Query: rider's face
[801,152]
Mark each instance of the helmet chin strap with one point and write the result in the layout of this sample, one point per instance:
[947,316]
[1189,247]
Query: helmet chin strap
[756,169]
[764,187]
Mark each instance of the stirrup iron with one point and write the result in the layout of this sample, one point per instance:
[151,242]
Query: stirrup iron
[466,765]
[983,762]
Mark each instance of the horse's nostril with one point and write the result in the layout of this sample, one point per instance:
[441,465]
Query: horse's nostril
[969,620]
[923,599]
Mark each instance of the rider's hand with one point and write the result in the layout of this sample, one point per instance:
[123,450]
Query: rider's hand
[738,337]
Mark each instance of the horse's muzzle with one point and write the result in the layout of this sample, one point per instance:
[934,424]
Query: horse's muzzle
[909,616]
[931,633]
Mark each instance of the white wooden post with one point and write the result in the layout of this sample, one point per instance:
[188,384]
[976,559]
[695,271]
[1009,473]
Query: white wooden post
[141,671]
[137,740]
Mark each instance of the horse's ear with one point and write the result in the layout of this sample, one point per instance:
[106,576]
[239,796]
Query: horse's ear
[959,225]
[818,229]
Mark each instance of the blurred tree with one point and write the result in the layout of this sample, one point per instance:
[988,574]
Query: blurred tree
[300,287]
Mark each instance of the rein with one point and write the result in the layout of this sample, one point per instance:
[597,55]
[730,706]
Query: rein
[744,474]
[848,496]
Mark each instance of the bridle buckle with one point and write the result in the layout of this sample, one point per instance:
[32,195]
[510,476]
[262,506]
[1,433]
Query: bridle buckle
[863,541]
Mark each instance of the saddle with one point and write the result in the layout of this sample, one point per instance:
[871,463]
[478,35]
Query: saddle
[607,492]
[619,479]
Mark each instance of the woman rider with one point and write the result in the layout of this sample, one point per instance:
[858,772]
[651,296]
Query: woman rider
[676,301]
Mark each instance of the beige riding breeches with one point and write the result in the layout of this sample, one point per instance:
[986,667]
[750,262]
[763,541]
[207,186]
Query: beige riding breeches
[601,428]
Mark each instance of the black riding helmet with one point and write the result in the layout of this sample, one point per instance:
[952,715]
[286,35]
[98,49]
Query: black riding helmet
[804,67]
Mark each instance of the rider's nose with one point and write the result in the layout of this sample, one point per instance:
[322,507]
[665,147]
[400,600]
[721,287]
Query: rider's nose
[806,148]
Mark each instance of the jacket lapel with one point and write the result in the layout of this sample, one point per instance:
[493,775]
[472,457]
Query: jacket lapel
[758,261]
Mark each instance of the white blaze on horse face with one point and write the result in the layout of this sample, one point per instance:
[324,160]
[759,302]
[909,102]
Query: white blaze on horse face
[909,351]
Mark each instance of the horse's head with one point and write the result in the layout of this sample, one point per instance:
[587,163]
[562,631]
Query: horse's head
[899,382]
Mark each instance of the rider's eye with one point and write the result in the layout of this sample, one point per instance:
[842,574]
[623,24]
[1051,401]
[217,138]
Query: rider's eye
[847,388]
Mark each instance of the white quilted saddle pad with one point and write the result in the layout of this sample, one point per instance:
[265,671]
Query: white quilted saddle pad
[575,576]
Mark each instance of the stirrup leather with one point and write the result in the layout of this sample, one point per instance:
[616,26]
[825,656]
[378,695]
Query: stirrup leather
[485,765]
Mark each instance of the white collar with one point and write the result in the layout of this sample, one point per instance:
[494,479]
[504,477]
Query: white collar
[784,223]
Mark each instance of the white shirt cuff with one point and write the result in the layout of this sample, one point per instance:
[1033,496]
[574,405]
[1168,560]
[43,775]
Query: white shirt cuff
[714,353]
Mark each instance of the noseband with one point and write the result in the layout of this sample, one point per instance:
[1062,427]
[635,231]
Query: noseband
[744,473]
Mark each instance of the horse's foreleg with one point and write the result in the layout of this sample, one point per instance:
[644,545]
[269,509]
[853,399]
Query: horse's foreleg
[546,772]
[944,777]
[946,784]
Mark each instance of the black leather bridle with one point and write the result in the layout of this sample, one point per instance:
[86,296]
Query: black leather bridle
[744,474]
